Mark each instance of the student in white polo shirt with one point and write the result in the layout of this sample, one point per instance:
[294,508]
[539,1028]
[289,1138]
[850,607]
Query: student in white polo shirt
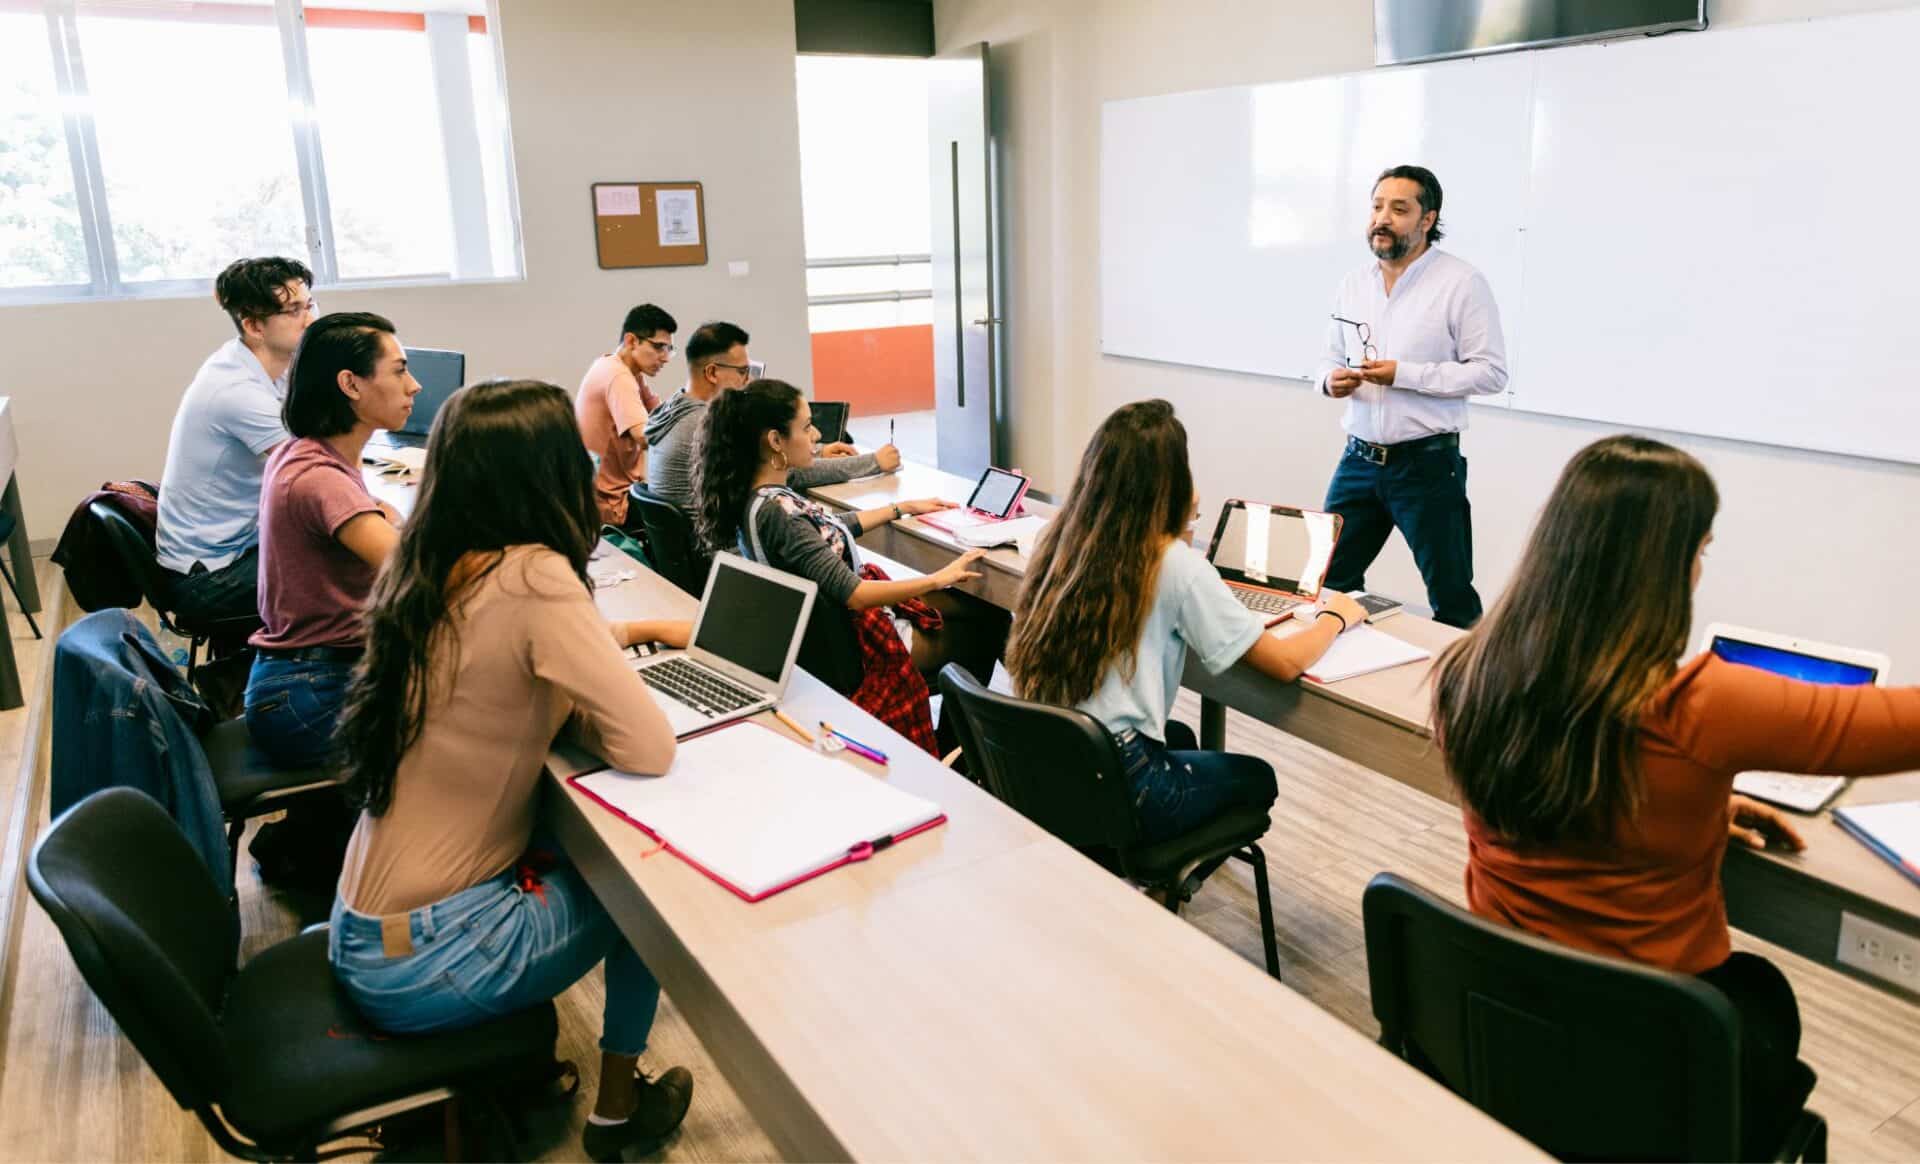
[229,420]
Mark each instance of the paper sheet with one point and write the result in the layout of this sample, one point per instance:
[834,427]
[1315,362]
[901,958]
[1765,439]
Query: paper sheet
[397,456]
[613,200]
[1362,651]
[678,212]
[1000,533]
[1259,530]
[757,810]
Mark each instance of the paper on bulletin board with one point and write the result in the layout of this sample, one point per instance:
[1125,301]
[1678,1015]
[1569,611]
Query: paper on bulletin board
[678,213]
[609,201]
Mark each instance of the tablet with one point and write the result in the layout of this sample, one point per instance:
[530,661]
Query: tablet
[998,492]
[1795,658]
[830,417]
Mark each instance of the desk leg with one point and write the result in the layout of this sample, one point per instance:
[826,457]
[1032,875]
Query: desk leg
[1213,725]
[21,551]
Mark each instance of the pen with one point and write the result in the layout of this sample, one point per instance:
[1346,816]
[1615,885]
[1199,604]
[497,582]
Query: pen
[784,718]
[853,745]
[889,430]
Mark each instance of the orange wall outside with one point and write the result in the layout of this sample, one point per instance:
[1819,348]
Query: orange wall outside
[875,370]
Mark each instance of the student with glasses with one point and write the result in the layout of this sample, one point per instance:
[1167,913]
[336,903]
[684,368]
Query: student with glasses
[717,362]
[1414,333]
[227,424]
[613,402]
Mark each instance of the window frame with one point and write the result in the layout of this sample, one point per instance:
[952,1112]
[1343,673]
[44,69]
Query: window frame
[460,127]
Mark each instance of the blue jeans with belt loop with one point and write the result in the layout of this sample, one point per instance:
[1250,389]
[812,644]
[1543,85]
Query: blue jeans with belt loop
[508,943]
[293,705]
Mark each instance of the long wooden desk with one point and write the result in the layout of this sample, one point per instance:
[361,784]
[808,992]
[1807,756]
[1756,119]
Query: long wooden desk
[982,991]
[1794,900]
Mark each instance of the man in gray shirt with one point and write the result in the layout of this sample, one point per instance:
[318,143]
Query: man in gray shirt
[717,362]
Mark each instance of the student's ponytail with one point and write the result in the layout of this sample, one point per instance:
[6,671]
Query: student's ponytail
[728,453]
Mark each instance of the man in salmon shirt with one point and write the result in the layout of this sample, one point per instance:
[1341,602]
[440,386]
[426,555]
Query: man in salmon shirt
[614,400]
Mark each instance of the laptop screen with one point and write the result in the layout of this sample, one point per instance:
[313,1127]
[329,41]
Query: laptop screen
[830,417]
[748,620]
[1793,664]
[1286,549]
[440,375]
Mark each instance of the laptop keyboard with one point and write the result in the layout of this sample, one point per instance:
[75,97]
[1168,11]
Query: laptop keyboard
[1264,601]
[699,688]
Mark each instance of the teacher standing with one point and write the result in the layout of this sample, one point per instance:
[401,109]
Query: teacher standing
[1414,334]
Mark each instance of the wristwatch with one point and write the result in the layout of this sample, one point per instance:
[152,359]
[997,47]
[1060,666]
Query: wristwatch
[897,514]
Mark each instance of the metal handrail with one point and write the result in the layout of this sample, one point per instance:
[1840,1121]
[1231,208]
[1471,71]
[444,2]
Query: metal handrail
[868,297]
[869,261]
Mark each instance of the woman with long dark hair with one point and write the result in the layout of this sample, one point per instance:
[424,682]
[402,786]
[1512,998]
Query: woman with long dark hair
[1597,769]
[750,440]
[482,639]
[322,535]
[1114,597]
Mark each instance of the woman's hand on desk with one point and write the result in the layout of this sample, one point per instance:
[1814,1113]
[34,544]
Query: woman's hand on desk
[837,449]
[673,632]
[924,505]
[1753,823]
[1350,612]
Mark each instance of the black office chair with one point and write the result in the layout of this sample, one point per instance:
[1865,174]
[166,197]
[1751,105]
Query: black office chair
[675,551]
[274,1059]
[1588,1057]
[1062,770]
[136,553]
[250,785]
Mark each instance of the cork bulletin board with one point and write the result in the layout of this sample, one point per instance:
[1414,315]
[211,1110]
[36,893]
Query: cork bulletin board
[649,224]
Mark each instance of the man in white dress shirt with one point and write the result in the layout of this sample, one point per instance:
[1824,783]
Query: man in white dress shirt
[1413,335]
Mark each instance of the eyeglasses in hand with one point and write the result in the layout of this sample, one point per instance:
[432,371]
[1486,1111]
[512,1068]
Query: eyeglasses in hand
[1368,352]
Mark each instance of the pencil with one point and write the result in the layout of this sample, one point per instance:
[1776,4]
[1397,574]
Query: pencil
[784,718]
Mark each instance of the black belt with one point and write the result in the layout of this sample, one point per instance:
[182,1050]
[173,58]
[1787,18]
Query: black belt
[312,654]
[1377,454]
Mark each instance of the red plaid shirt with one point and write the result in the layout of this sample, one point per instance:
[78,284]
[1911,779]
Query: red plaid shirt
[890,689]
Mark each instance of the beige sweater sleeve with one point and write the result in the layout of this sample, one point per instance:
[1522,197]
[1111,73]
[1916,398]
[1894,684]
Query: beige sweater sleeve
[571,646]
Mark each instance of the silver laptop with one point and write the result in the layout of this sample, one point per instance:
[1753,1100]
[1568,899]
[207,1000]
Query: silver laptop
[752,618]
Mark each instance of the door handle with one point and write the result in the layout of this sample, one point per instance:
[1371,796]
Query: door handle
[988,320]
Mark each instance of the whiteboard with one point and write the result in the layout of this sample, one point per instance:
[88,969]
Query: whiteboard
[1700,233]
[1228,217]
[1718,240]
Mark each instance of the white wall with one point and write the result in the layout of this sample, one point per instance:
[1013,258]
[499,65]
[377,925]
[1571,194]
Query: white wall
[598,90]
[1808,543]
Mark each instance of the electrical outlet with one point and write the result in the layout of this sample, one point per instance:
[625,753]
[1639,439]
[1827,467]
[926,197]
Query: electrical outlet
[1885,953]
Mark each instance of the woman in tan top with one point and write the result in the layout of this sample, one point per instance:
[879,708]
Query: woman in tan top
[482,640]
[1598,771]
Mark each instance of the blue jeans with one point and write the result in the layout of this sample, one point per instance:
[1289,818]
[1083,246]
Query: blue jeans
[1423,492]
[292,707]
[1177,790]
[491,950]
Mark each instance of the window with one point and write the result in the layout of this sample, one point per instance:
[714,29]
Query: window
[144,146]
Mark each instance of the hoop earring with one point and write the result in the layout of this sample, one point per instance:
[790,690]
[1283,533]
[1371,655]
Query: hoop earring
[782,454]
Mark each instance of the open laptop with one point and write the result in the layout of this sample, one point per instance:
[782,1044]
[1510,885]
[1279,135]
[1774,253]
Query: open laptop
[1810,662]
[440,374]
[1273,557]
[752,618]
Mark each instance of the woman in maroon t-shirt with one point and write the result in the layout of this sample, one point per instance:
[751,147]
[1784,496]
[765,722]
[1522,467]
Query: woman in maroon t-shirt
[322,535]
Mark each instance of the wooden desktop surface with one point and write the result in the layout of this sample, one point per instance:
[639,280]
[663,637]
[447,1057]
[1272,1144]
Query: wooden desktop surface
[982,991]
[1382,721]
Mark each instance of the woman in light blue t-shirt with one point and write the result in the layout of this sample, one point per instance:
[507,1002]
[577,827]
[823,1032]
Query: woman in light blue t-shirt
[1113,599]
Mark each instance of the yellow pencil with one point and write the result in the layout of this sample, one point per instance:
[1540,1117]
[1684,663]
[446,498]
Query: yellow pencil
[784,718]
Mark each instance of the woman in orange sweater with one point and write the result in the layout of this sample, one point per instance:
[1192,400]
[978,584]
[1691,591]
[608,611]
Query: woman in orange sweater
[1597,769]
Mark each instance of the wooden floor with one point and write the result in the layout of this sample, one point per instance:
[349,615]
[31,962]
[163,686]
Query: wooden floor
[72,1089]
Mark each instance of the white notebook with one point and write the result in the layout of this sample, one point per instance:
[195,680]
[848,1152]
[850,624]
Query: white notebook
[1362,651]
[1020,531]
[758,812]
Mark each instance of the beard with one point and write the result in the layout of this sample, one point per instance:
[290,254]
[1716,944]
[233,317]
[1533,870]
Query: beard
[1388,245]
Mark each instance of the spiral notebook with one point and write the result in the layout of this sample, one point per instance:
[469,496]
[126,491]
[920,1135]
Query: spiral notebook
[1891,830]
[759,813]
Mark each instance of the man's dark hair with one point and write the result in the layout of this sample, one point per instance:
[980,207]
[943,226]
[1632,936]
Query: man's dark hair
[1429,194]
[346,341]
[256,288]
[646,319]
[710,341]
